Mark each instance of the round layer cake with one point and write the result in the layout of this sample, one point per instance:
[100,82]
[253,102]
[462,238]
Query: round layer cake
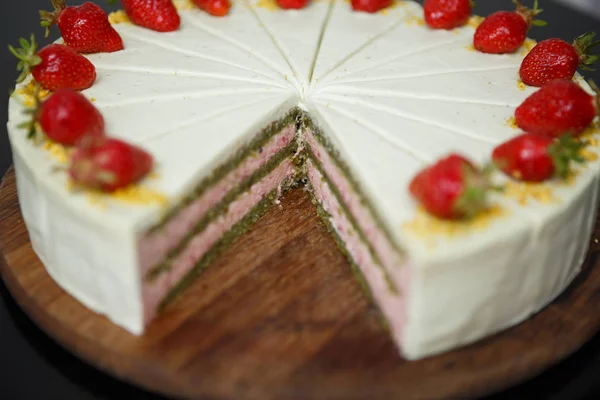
[238,109]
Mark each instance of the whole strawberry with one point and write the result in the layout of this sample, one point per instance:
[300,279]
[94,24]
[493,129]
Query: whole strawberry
[69,118]
[54,67]
[292,4]
[531,157]
[558,107]
[452,188]
[556,59]
[218,8]
[109,164]
[447,14]
[505,31]
[370,6]
[158,15]
[84,28]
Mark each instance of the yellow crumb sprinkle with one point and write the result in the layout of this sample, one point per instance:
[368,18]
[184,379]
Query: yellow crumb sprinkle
[523,192]
[183,5]
[528,45]
[27,93]
[521,85]
[57,151]
[588,155]
[386,10]
[118,17]
[132,195]
[593,129]
[425,225]
[270,5]
[136,194]
[512,122]
[93,99]
[475,20]
[470,47]
[415,20]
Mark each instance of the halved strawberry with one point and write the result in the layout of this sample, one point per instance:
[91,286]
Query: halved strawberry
[556,59]
[109,164]
[218,8]
[54,67]
[559,106]
[505,31]
[532,157]
[447,14]
[452,188]
[84,28]
[370,6]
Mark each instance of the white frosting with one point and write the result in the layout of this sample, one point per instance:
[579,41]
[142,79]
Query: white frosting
[389,93]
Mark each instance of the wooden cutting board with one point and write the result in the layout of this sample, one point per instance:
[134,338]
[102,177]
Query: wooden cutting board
[280,316]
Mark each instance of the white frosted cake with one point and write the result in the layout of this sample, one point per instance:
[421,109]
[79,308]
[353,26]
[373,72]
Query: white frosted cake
[236,110]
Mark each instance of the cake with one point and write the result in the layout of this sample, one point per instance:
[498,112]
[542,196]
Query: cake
[239,109]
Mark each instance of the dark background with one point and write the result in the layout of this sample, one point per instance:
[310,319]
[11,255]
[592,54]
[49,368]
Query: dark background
[33,367]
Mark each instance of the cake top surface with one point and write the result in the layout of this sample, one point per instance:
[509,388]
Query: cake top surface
[390,94]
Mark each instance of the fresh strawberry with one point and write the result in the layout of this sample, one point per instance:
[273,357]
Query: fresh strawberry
[531,157]
[158,15]
[556,59]
[451,188]
[292,4]
[505,31]
[69,118]
[109,164]
[447,14]
[84,28]
[370,6]
[54,67]
[559,107]
[218,8]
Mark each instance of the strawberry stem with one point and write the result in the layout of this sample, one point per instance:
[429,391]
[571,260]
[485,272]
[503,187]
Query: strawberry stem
[474,197]
[583,44]
[596,89]
[33,114]
[51,18]
[530,13]
[566,150]
[27,57]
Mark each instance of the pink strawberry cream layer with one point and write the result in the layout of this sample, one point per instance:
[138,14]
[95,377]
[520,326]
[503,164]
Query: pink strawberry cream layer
[200,244]
[154,247]
[392,304]
[388,255]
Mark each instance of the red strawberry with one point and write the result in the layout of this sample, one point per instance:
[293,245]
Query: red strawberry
[292,4]
[68,117]
[559,107]
[218,8]
[158,15]
[84,28]
[534,158]
[452,188]
[109,164]
[505,32]
[54,67]
[370,6]
[447,14]
[556,59]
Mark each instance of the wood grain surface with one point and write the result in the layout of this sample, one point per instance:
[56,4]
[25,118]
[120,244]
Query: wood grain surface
[280,316]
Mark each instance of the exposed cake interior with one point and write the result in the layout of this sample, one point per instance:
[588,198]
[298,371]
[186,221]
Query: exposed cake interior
[224,205]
